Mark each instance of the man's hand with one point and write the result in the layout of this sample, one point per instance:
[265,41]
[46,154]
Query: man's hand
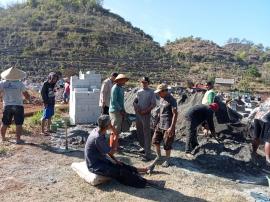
[170,131]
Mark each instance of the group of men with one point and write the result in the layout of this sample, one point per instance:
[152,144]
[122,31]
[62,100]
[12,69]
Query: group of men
[97,150]
[99,155]
[112,101]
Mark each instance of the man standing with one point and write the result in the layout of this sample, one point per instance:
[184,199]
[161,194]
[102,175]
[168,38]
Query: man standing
[210,94]
[144,102]
[13,89]
[116,109]
[48,97]
[167,119]
[195,116]
[66,94]
[105,93]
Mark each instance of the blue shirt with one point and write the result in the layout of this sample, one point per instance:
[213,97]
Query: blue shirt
[117,99]
[96,149]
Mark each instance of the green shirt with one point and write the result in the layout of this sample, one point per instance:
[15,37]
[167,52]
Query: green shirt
[209,97]
[117,99]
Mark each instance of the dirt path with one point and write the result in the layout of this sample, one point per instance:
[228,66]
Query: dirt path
[36,172]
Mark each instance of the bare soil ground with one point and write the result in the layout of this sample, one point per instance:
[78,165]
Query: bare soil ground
[36,171]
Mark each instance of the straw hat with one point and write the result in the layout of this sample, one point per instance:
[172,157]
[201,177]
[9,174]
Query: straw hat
[13,74]
[121,76]
[161,87]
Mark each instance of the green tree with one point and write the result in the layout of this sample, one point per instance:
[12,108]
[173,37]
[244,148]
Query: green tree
[241,55]
[252,71]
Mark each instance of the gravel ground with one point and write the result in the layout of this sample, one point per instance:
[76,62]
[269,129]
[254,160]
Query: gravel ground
[37,171]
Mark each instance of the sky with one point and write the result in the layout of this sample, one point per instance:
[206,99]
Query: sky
[215,20]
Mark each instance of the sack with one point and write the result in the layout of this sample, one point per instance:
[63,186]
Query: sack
[92,178]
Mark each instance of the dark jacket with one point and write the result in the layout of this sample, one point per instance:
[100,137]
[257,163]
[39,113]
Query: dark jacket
[200,113]
[47,93]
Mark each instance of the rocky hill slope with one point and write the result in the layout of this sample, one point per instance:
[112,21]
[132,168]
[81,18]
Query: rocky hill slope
[242,60]
[44,35]
[40,36]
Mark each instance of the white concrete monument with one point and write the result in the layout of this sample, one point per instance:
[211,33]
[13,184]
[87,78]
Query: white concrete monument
[84,98]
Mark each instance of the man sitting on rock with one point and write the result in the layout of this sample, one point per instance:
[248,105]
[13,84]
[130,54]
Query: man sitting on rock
[195,116]
[101,161]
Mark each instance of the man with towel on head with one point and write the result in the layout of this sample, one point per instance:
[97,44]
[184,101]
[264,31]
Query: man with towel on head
[12,88]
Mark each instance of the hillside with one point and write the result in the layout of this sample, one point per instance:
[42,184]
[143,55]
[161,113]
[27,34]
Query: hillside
[68,35]
[40,36]
[246,62]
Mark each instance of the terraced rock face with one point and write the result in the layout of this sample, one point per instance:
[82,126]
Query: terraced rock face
[55,35]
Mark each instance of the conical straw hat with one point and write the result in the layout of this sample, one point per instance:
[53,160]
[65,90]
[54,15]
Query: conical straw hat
[13,74]
[121,76]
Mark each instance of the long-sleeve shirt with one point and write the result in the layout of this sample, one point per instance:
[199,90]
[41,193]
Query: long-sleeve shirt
[200,113]
[117,99]
[105,92]
[145,99]
[47,93]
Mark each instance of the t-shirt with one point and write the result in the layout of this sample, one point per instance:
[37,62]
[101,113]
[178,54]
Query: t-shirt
[145,98]
[167,104]
[67,88]
[200,113]
[208,97]
[117,99]
[47,93]
[96,149]
[12,92]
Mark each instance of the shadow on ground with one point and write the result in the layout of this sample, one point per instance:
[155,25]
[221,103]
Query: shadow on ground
[56,150]
[149,193]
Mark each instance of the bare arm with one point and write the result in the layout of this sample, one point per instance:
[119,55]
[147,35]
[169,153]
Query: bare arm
[27,96]
[174,119]
[113,158]
[171,130]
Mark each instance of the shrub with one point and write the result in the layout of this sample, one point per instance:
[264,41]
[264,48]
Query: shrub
[252,71]
[36,118]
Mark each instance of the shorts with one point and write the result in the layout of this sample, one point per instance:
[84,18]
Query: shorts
[117,121]
[160,135]
[48,112]
[13,111]
[105,110]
